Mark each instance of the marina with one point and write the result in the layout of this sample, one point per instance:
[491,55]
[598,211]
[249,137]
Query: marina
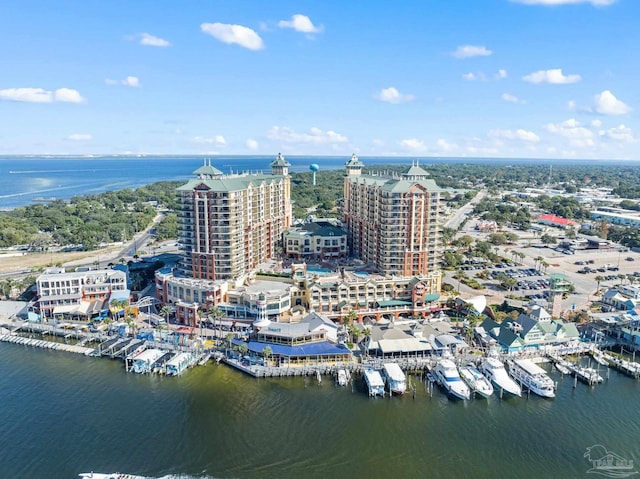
[217,390]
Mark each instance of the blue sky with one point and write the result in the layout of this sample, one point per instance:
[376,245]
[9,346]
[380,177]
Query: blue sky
[477,78]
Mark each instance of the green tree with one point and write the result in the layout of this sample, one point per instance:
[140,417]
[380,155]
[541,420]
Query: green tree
[266,353]
[598,279]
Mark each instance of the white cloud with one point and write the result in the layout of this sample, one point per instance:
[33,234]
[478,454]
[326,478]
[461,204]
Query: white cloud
[68,95]
[554,76]
[131,81]
[251,144]
[596,123]
[469,51]
[509,98]
[314,136]
[39,95]
[607,104]
[619,133]
[413,144]
[577,135]
[300,23]
[153,41]
[597,3]
[217,140]
[501,74]
[519,135]
[79,137]
[571,104]
[392,95]
[474,76]
[444,146]
[238,34]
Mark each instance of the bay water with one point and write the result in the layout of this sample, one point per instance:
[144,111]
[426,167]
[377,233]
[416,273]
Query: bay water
[63,414]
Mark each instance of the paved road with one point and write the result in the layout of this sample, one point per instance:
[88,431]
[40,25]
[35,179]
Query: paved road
[459,216]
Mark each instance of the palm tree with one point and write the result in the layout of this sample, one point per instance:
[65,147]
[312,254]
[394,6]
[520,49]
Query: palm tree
[544,265]
[165,311]
[243,349]
[538,261]
[159,329]
[598,279]
[266,353]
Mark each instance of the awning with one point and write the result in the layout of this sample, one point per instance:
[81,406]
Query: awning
[393,302]
[429,297]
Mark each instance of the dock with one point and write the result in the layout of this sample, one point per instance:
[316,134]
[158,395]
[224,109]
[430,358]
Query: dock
[40,343]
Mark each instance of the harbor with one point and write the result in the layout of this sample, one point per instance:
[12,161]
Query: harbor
[463,376]
[213,415]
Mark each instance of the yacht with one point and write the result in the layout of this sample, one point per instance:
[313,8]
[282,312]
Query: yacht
[396,380]
[446,374]
[374,381]
[476,381]
[533,377]
[494,370]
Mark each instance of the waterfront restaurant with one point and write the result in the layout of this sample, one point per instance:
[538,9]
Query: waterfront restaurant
[298,344]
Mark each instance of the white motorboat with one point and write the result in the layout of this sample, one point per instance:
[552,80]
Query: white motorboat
[599,358]
[446,374]
[396,380]
[495,371]
[476,381]
[113,475]
[342,377]
[587,375]
[563,368]
[533,377]
[374,381]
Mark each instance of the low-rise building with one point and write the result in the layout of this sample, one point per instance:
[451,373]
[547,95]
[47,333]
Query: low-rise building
[319,241]
[80,294]
[534,330]
[310,341]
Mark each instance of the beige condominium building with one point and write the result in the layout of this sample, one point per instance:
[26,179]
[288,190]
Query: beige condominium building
[392,220]
[231,223]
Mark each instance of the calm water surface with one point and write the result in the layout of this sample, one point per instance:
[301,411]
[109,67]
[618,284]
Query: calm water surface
[64,414]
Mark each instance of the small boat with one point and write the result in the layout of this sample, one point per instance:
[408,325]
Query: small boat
[342,378]
[533,377]
[374,382]
[495,371]
[599,358]
[563,368]
[113,475]
[446,374]
[587,375]
[476,381]
[396,380]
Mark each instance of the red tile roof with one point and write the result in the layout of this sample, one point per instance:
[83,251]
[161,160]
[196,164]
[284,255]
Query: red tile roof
[557,220]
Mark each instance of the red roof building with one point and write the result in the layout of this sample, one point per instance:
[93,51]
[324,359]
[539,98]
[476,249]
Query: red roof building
[557,221]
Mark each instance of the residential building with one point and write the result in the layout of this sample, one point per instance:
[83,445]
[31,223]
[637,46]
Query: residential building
[81,294]
[392,221]
[372,296]
[318,241]
[231,223]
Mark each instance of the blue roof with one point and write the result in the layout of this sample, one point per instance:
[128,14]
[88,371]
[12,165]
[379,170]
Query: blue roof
[322,348]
